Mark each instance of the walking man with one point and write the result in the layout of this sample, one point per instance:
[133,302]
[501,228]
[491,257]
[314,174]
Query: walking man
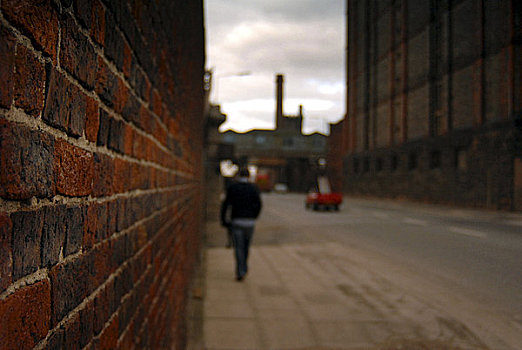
[245,202]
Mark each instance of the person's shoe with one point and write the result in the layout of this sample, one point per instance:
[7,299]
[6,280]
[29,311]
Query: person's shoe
[240,278]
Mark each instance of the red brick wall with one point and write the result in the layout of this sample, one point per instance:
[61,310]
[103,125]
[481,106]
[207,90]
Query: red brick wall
[101,114]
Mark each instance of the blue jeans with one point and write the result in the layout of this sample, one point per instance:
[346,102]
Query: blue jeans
[242,236]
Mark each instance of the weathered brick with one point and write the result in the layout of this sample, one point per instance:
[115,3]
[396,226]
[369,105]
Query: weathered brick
[72,333]
[101,311]
[106,83]
[23,325]
[7,63]
[128,139]
[101,230]
[139,82]
[74,169]
[114,43]
[74,222]
[77,55]
[112,213]
[29,81]
[36,19]
[102,268]
[66,105]
[87,323]
[27,237]
[109,337]
[53,234]
[6,255]
[25,162]
[70,285]
[103,175]
[56,340]
[121,175]
[131,110]
[98,26]
[116,128]
[83,10]
[103,133]
[92,120]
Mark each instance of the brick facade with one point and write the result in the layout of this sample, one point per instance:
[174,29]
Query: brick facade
[433,102]
[101,140]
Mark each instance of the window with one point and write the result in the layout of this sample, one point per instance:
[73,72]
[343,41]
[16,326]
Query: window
[288,142]
[412,161]
[356,166]
[394,162]
[461,159]
[435,159]
[378,164]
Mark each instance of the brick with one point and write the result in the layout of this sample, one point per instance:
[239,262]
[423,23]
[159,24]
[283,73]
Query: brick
[66,105]
[87,323]
[109,337]
[29,81]
[90,227]
[127,60]
[127,338]
[77,54]
[25,162]
[128,140]
[102,268]
[115,141]
[69,285]
[74,169]
[53,234]
[131,110]
[121,175]
[56,340]
[112,213]
[72,333]
[98,26]
[120,97]
[139,82]
[27,237]
[114,43]
[106,83]
[103,132]
[101,230]
[103,175]
[6,255]
[101,311]
[7,63]
[92,120]
[36,19]
[74,222]
[83,10]
[23,325]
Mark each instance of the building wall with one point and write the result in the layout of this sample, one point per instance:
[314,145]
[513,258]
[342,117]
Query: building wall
[428,80]
[101,113]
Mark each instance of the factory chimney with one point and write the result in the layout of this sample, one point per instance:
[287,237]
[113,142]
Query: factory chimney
[279,101]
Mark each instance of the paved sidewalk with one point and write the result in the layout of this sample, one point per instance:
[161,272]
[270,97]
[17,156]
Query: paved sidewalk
[308,296]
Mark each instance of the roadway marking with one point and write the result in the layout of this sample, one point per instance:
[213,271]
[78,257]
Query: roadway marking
[415,222]
[467,232]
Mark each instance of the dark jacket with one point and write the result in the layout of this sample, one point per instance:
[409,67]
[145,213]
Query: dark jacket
[244,199]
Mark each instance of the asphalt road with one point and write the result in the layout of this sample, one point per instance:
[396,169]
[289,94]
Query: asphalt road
[476,252]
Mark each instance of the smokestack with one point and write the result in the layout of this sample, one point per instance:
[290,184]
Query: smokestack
[279,101]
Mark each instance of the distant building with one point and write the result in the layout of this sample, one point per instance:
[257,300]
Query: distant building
[286,154]
[433,103]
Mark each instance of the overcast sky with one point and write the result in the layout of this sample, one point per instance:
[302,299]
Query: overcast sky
[302,39]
